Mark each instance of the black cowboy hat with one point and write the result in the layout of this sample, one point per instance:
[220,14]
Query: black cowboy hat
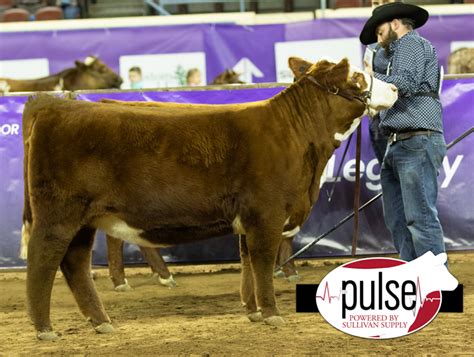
[388,12]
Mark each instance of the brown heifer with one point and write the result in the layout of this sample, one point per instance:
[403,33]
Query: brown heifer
[229,76]
[166,178]
[461,61]
[153,256]
[90,74]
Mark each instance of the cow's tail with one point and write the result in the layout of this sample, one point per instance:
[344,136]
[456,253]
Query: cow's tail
[27,216]
[29,115]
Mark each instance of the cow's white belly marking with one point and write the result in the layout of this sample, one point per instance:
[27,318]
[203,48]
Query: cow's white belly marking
[344,136]
[237,225]
[292,233]
[119,229]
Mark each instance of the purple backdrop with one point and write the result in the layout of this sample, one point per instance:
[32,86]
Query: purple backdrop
[455,179]
[223,45]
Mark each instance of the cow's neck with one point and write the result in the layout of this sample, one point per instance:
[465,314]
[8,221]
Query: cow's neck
[48,82]
[313,114]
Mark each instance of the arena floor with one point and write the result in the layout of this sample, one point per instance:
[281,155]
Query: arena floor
[203,316]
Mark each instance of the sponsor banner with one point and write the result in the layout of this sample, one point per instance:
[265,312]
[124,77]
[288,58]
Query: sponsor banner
[455,180]
[164,70]
[24,68]
[260,52]
[380,298]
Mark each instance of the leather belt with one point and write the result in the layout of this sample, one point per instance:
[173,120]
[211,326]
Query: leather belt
[394,137]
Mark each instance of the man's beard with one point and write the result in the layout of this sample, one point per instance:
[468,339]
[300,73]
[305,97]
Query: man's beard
[392,36]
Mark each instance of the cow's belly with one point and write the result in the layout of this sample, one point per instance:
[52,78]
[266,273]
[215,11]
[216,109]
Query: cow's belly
[164,236]
[119,229]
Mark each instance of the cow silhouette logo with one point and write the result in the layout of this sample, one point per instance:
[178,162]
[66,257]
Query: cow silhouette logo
[382,298]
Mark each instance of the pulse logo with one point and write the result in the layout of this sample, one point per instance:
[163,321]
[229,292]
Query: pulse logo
[384,297]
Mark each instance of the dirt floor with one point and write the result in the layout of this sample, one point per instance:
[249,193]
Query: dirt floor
[203,316]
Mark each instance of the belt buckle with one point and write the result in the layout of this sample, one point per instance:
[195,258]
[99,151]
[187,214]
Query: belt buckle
[393,138]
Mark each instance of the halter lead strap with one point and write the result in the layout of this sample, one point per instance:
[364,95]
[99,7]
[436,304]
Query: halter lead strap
[364,98]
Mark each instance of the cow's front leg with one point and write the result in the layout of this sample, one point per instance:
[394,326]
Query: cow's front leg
[46,248]
[115,260]
[76,269]
[262,243]
[158,266]
[247,290]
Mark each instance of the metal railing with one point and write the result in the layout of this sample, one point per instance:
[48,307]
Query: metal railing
[199,88]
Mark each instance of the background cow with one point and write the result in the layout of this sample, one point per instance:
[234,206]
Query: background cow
[158,179]
[90,74]
[461,61]
[229,76]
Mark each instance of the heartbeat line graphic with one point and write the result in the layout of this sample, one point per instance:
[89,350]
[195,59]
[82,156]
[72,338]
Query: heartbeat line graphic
[327,294]
[419,301]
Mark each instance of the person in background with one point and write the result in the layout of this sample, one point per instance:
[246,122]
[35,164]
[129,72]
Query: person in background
[135,77]
[70,9]
[416,145]
[193,77]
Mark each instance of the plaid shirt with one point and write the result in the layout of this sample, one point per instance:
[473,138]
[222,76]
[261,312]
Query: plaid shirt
[381,60]
[414,68]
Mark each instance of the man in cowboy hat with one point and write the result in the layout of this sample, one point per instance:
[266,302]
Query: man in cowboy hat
[379,61]
[416,145]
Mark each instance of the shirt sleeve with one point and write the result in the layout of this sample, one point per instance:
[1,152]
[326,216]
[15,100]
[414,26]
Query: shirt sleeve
[407,68]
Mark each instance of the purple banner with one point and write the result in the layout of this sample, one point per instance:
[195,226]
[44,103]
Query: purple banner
[167,52]
[456,183]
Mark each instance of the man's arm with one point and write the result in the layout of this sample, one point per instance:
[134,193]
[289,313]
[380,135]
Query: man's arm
[407,68]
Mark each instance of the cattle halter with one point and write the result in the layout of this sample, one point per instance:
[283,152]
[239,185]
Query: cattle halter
[365,96]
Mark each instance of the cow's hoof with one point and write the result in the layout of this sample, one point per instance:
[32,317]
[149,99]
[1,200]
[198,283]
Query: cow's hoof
[123,287]
[255,316]
[274,321]
[94,274]
[278,274]
[105,327]
[47,336]
[294,278]
[170,282]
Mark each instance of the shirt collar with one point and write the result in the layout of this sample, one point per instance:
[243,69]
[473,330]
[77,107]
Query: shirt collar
[396,43]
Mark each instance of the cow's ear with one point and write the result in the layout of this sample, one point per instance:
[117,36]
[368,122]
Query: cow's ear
[298,66]
[340,72]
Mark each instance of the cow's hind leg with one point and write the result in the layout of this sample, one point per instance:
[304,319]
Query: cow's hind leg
[158,266]
[76,269]
[262,243]
[46,248]
[284,252]
[115,259]
[247,290]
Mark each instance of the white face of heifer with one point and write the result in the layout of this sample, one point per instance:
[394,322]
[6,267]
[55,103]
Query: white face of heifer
[383,95]
[350,83]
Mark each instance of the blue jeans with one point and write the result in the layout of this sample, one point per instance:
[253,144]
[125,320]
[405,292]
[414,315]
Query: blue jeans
[410,189]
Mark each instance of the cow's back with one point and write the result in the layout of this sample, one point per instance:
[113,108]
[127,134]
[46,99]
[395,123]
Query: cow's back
[167,166]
